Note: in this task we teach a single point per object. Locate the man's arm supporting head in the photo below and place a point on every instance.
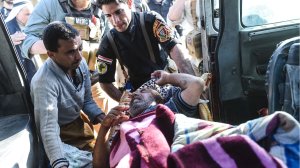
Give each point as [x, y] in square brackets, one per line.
[101, 150]
[192, 86]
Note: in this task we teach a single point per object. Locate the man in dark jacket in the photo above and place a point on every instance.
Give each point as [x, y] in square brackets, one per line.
[139, 39]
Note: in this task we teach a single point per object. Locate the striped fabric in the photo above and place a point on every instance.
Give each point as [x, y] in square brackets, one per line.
[228, 152]
[271, 141]
[278, 134]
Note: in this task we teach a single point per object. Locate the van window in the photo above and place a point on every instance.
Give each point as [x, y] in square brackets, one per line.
[215, 14]
[260, 12]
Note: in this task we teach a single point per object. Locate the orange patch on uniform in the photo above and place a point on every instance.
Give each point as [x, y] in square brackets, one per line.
[161, 31]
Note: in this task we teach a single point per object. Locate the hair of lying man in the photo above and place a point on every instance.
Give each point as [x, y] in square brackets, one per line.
[157, 97]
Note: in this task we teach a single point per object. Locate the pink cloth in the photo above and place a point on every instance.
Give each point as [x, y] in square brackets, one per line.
[232, 151]
[145, 140]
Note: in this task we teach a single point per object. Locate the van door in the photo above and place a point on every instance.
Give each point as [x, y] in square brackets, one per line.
[248, 33]
[19, 145]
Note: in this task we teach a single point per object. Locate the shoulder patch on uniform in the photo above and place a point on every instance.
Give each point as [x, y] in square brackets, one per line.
[104, 59]
[101, 67]
[161, 31]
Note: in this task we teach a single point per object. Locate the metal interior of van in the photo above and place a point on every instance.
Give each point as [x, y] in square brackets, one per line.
[18, 138]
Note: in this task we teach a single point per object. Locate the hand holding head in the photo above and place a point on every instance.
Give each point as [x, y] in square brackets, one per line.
[206, 77]
[115, 116]
[125, 98]
[160, 76]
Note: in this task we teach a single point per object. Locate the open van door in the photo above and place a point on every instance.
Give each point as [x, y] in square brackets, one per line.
[247, 33]
[18, 138]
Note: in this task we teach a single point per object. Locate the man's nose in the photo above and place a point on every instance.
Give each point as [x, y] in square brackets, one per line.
[133, 94]
[115, 18]
[78, 55]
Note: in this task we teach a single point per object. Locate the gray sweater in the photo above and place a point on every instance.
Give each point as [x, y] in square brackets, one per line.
[57, 101]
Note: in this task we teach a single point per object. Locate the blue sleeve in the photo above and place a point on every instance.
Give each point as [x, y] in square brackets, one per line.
[44, 13]
[90, 108]
[178, 105]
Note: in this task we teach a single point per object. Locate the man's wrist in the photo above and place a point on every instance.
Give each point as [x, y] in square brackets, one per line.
[100, 117]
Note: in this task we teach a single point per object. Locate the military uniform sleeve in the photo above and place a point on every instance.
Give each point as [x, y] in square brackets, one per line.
[106, 62]
[163, 33]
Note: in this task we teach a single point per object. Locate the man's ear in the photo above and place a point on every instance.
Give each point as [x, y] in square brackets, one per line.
[51, 54]
[129, 4]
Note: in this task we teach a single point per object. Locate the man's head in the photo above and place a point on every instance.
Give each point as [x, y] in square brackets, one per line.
[23, 15]
[142, 99]
[10, 2]
[80, 4]
[21, 11]
[117, 12]
[63, 44]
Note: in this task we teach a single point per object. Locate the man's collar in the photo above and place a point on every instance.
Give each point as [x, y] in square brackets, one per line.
[131, 29]
[150, 108]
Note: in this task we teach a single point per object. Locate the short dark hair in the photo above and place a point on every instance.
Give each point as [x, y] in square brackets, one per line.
[157, 97]
[105, 2]
[55, 31]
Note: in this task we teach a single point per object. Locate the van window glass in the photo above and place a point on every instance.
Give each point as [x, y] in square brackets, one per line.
[215, 14]
[260, 12]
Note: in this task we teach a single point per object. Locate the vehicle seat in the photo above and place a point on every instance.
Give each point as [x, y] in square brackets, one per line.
[282, 78]
[292, 82]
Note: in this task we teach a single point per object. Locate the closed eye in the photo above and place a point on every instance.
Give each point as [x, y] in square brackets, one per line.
[108, 15]
[80, 48]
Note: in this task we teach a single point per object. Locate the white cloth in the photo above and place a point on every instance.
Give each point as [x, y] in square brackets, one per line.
[187, 15]
[17, 7]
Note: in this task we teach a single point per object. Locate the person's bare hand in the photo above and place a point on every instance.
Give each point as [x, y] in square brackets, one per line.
[18, 37]
[160, 76]
[206, 77]
[125, 98]
[115, 116]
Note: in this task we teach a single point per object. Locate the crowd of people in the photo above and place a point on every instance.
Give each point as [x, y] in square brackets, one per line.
[140, 38]
[61, 86]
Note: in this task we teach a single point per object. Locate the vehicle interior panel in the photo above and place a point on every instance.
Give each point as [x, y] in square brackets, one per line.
[16, 111]
[17, 133]
[241, 60]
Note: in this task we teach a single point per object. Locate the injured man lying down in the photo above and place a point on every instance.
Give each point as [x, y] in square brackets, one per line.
[156, 128]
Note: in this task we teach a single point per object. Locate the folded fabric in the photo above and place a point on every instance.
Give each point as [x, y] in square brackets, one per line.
[144, 141]
[277, 133]
[226, 152]
[189, 130]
